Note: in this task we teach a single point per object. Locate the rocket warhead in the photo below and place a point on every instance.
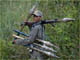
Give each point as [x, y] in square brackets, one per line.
[67, 19]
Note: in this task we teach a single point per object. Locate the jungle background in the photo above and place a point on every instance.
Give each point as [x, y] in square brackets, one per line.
[64, 35]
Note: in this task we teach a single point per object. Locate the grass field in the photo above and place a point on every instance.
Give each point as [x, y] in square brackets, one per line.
[64, 35]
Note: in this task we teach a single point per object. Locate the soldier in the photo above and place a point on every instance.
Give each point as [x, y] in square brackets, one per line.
[36, 32]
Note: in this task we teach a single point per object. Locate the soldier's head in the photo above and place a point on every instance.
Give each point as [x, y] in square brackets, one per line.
[37, 15]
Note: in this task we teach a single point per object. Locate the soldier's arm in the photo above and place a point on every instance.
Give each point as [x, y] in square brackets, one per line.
[31, 39]
[28, 23]
[33, 34]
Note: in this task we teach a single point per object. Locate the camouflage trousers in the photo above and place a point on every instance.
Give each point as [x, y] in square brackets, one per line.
[36, 56]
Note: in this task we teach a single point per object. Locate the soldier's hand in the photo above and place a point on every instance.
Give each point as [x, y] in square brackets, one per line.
[22, 24]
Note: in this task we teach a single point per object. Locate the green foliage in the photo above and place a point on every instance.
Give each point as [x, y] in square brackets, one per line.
[64, 35]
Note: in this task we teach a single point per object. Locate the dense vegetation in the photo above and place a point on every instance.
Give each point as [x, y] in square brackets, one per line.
[64, 35]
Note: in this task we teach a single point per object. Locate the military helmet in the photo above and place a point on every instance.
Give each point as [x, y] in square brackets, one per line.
[37, 13]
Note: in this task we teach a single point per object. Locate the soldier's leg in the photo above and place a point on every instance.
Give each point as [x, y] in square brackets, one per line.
[37, 56]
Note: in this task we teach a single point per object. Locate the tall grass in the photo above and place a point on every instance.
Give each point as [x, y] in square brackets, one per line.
[65, 35]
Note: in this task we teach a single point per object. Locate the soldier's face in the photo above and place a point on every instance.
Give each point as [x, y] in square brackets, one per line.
[36, 18]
